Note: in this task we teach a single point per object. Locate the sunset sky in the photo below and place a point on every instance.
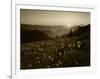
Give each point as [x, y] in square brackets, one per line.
[44, 17]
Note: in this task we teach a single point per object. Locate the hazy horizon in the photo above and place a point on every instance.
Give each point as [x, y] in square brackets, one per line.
[45, 17]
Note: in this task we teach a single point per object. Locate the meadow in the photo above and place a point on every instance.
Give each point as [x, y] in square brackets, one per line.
[62, 52]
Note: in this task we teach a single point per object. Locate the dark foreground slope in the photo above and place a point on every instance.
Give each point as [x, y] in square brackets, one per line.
[32, 36]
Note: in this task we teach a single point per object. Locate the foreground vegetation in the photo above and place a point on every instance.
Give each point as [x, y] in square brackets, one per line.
[68, 52]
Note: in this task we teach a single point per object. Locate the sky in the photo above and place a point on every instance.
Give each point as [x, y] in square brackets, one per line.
[45, 17]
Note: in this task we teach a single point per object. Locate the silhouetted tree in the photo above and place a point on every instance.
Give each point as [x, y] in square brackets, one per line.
[70, 33]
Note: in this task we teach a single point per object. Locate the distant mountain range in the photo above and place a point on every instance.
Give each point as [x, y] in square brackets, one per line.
[33, 33]
[51, 31]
